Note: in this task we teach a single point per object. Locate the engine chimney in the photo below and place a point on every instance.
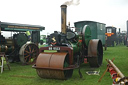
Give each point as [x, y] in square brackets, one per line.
[127, 33]
[127, 28]
[119, 30]
[63, 18]
[0, 27]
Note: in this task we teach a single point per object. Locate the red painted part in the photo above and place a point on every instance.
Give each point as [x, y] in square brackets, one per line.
[62, 48]
[113, 74]
[109, 34]
[85, 60]
[53, 43]
[80, 41]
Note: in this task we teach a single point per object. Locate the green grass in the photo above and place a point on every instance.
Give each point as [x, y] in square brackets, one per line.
[26, 75]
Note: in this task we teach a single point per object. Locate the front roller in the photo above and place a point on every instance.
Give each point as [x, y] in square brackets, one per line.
[95, 53]
[53, 65]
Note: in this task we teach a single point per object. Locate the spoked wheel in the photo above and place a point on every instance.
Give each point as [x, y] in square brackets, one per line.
[95, 53]
[51, 65]
[28, 53]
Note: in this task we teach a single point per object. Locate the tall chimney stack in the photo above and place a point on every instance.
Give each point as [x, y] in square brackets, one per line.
[127, 28]
[127, 33]
[63, 18]
[0, 27]
[119, 30]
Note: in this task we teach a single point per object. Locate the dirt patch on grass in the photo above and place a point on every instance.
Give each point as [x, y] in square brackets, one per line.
[21, 76]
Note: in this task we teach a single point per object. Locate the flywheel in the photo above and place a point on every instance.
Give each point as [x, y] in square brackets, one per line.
[86, 33]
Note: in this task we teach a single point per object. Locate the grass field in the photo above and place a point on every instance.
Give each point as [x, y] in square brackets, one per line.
[26, 75]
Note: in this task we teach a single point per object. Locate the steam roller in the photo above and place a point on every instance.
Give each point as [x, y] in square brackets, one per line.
[67, 50]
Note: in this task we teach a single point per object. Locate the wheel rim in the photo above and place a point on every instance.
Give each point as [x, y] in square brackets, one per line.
[29, 53]
[95, 53]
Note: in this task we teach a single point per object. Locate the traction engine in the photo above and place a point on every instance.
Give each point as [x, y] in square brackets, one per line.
[66, 50]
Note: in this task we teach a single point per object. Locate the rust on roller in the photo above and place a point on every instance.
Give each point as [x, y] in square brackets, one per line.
[57, 60]
[57, 74]
[92, 48]
[43, 60]
[51, 60]
[43, 73]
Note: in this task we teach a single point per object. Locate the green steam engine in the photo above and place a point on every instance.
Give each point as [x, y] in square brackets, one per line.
[72, 47]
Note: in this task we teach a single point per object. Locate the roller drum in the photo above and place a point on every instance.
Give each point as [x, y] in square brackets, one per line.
[51, 65]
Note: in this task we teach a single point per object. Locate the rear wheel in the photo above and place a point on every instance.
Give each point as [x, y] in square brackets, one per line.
[28, 53]
[95, 53]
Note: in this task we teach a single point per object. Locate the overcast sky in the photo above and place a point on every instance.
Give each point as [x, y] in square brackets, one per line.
[47, 13]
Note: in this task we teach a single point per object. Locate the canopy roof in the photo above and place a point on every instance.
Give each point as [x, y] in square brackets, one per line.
[5, 26]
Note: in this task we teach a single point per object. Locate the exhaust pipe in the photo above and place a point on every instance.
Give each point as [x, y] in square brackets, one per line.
[127, 33]
[63, 18]
[0, 27]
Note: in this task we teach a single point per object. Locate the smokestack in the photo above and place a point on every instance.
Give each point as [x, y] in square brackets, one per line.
[0, 27]
[63, 18]
[127, 33]
[127, 28]
[119, 30]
